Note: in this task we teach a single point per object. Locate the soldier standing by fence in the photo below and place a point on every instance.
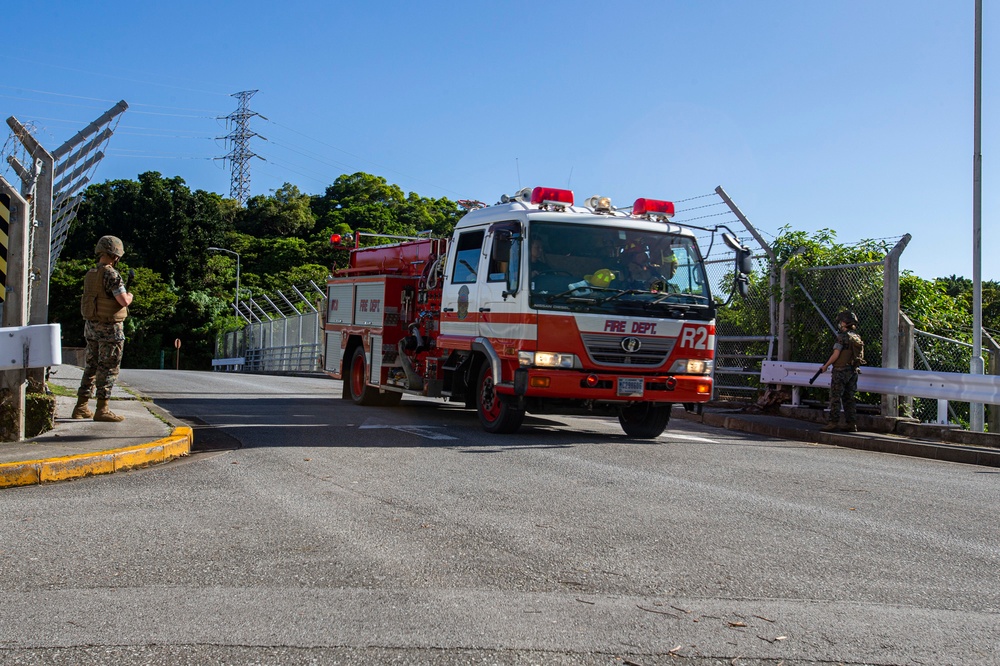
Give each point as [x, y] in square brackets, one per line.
[104, 306]
[847, 357]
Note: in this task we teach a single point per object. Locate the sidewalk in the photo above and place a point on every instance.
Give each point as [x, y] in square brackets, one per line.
[897, 436]
[77, 448]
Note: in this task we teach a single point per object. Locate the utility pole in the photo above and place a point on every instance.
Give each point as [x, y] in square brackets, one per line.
[238, 122]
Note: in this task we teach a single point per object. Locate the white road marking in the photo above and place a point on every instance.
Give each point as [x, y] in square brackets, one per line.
[693, 438]
[418, 430]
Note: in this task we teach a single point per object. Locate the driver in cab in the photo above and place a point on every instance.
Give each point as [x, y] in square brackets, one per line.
[539, 264]
[639, 270]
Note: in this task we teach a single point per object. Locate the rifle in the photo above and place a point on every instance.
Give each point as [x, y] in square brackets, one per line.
[816, 376]
[128, 280]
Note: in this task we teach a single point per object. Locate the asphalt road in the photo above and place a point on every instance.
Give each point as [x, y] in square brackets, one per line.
[308, 530]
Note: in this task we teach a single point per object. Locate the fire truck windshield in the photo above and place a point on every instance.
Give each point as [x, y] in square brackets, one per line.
[607, 269]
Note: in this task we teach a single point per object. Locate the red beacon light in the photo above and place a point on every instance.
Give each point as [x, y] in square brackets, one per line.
[652, 208]
[339, 241]
[550, 196]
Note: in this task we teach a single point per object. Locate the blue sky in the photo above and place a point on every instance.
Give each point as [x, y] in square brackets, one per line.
[851, 115]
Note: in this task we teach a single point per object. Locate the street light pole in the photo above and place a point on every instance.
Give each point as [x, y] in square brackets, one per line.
[977, 411]
[222, 249]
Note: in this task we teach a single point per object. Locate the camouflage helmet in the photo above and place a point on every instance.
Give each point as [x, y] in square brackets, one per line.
[848, 318]
[110, 245]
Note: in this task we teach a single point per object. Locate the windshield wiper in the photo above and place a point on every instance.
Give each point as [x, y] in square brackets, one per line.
[622, 292]
[550, 299]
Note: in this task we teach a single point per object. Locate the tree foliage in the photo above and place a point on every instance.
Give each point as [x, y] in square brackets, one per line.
[185, 291]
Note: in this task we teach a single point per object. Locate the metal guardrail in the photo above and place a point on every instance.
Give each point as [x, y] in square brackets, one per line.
[942, 386]
[288, 358]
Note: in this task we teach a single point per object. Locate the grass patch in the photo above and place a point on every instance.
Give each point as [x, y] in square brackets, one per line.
[61, 390]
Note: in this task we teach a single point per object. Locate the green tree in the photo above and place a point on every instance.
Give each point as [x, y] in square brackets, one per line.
[185, 291]
[286, 212]
[165, 227]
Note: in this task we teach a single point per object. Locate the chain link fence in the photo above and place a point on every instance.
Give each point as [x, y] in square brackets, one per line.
[745, 327]
[744, 331]
[941, 354]
[820, 294]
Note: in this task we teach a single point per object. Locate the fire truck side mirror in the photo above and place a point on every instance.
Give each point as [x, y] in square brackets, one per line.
[744, 255]
[744, 261]
[743, 285]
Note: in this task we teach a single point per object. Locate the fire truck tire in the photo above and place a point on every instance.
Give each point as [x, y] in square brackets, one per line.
[361, 393]
[495, 415]
[645, 420]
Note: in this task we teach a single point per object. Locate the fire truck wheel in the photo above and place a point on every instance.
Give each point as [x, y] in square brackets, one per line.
[645, 420]
[495, 415]
[361, 393]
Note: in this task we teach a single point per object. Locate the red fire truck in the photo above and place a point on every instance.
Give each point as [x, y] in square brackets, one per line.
[533, 305]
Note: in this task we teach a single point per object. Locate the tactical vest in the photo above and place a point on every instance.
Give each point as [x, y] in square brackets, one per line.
[853, 352]
[95, 304]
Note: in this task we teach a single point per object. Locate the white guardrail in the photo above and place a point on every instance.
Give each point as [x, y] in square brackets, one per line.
[36, 346]
[940, 386]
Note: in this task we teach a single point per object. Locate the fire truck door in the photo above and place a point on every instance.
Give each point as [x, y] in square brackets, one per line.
[498, 293]
[460, 294]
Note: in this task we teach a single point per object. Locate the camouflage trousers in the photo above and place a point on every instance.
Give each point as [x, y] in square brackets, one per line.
[103, 361]
[843, 385]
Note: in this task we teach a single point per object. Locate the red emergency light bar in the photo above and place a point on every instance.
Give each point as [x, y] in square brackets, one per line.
[550, 196]
[341, 241]
[653, 207]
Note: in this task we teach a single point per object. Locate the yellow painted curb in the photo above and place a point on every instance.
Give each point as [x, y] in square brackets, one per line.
[30, 472]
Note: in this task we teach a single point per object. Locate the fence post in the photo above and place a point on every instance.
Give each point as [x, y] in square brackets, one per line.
[993, 368]
[906, 333]
[14, 208]
[784, 316]
[890, 319]
[785, 309]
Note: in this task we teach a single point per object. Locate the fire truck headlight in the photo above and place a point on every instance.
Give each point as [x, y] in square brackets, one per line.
[691, 366]
[547, 360]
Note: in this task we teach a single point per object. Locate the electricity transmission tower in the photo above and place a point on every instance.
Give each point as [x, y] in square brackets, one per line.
[238, 139]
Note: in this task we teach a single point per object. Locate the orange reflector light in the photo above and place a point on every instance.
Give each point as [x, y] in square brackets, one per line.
[538, 382]
[654, 206]
[551, 196]
[703, 388]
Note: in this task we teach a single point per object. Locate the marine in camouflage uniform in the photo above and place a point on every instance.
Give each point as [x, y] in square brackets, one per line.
[847, 357]
[104, 309]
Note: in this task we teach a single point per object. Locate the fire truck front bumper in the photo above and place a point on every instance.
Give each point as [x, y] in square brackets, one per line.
[609, 387]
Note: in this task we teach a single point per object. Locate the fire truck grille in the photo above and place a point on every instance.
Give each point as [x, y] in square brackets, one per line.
[607, 350]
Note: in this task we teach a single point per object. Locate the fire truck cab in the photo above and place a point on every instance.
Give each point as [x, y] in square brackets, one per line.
[533, 305]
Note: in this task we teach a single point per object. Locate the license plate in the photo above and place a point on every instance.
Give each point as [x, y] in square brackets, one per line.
[630, 386]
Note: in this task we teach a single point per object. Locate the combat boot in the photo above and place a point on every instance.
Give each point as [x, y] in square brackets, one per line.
[105, 414]
[81, 411]
[830, 427]
[850, 427]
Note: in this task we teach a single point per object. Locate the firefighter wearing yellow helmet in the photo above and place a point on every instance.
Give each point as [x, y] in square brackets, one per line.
[104, 306]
